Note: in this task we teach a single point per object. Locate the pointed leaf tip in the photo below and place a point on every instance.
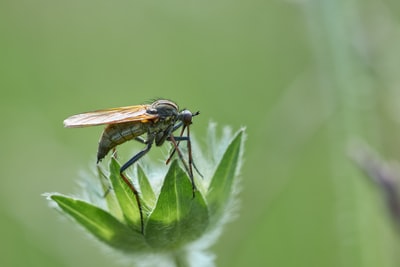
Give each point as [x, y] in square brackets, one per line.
[100, 223]
[221, 185]
[125, 196]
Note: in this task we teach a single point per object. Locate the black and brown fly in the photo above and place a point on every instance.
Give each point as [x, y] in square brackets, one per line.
[158, 121]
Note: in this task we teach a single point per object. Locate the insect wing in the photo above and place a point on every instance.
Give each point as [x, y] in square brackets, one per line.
[110, 116]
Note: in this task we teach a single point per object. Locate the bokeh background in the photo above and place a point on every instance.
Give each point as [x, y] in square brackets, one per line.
[307, 78]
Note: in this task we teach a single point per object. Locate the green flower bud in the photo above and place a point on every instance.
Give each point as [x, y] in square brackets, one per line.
[178, 227]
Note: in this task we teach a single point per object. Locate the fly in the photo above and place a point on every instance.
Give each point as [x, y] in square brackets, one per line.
[158, 121]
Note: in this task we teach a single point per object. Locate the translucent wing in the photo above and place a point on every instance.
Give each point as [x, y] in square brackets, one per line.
[110, 116]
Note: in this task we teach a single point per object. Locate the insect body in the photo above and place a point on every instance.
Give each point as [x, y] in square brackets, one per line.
[158, 121]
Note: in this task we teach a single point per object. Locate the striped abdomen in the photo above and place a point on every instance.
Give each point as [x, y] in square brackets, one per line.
[116, 134]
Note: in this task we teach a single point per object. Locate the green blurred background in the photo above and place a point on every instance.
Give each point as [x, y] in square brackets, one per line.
[305, 77]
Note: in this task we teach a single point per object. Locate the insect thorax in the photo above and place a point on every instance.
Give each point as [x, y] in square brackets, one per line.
[167, 112]
[157, 130]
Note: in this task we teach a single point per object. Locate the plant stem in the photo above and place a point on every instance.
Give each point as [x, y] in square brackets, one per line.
[180, 259]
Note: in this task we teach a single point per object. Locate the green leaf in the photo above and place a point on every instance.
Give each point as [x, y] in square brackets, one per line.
[105, 183]
[178, 218]
[101, 224]
[221, 184]
[147, 193]
[111, 200]
[126, 198]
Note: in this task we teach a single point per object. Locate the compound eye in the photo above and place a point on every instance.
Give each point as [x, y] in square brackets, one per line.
[186, 116]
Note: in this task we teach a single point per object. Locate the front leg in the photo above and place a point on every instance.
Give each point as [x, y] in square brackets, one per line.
[183, 138]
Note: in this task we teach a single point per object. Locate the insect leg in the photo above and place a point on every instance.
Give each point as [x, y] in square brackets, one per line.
[114, 153]
[136, 193]
[191, 161]
[188, 169]
[136, 157]
[176, 138]
[141, 140]
[130, 185]
[176, 127]
[189, 147]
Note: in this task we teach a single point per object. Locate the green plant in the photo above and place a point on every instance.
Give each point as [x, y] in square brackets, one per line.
[178, 228]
